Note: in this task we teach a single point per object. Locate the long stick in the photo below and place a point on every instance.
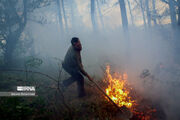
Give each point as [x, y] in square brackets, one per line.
[100, 89]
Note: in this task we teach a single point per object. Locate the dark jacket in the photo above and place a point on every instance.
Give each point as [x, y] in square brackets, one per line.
[72, 61]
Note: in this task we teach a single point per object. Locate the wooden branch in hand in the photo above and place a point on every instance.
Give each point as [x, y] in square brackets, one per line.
[100, 89]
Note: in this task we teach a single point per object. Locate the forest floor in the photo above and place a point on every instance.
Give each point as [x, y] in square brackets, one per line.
[94, 106]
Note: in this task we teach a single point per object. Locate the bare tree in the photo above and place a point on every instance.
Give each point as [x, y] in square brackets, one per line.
[64, 14]
[100, 14]
[143, 14]
[93, 19]
[73, 14]
[154, 12]
[148, 12]
[130, 10]
[172, 13]
[71, 3]
[123, 15]
[178, 12]
[60, 16]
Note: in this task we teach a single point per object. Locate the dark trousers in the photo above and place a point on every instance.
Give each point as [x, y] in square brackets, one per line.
[75, 76]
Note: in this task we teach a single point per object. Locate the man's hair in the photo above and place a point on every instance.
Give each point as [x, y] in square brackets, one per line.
[74, 40]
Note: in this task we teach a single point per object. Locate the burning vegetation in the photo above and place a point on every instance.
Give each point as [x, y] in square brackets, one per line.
[117, 89]
[123, 95]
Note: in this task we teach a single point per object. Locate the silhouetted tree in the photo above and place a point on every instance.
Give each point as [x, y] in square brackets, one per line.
[178, 12]
[93, 19]
[154, 12]
[60, 16]
[123, 15]
[148, 13]
[13, 19]
[172, 13]
[143, 14]
[130, 10]
[172, 10]
[64, 14]
[100, 14]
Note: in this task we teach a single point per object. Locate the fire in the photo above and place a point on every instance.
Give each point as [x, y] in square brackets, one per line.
[120, 92]
[117, 88]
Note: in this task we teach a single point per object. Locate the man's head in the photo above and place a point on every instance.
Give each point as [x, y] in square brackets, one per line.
[76, 43]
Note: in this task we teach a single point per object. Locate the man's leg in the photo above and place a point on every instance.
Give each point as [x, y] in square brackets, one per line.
[68, 81]
[75, 76]
[80, 84]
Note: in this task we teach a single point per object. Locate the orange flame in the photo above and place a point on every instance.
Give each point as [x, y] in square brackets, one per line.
[117, 89]
[120, 92]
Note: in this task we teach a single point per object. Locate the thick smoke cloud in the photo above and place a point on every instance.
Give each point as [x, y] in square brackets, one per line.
[142, 49]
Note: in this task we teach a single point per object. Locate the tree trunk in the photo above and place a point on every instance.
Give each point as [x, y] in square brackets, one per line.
[142, 10]
[9, 48]
[100, 14]
[154, 12]
[178, 12]
[94, 25]
[12, 40]
[64, 14]
[123, 15]
[148, 13]
[13, 37]
[132, 17]
[60, 16]
[72, 14]
[172, 13]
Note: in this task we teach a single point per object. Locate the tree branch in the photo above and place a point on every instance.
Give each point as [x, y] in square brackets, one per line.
[17, 70]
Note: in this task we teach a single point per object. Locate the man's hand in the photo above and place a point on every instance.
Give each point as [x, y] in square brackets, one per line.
[89, 78]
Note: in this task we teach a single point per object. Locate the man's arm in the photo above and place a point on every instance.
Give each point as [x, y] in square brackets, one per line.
[81, 68]
[84, 72]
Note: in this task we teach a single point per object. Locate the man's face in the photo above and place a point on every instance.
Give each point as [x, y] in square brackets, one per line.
[78, 46]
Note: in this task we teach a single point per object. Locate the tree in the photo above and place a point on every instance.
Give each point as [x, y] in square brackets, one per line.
[100, 14]
[13, 22]
[154, 12]
[74, 19]
[64, 14]
[132, 17]
[60, 16]
[172, 13]
[123, 15]
[143, 14]
[141, 5]
[178, 12]
[93, 19]
[172, 9]
[148, 13]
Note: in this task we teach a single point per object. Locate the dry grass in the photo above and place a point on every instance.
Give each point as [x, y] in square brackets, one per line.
[94, 106]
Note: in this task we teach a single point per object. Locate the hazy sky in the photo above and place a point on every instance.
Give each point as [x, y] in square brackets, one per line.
[111, 13]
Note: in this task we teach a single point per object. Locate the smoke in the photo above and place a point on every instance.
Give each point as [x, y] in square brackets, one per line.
[146, 50]
[132, 53]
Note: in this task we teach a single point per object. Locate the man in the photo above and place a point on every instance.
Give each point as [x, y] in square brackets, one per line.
[73, 65]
